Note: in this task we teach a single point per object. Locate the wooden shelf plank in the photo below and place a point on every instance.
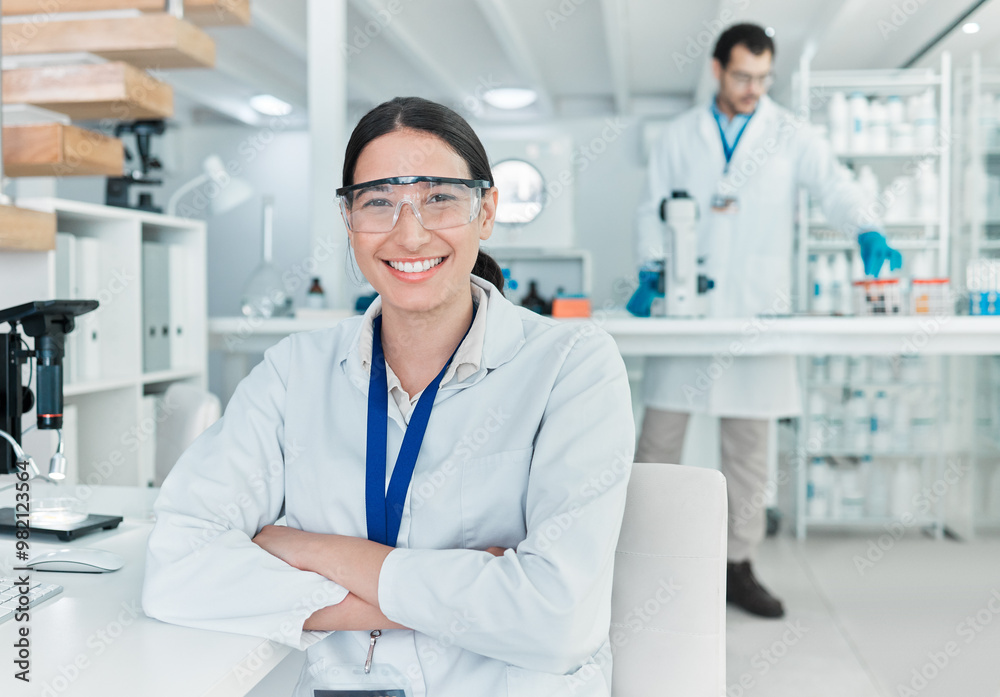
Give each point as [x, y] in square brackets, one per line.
[57, 150]
[150, 41]
[91, 92]
[26, 230]
[204, 13]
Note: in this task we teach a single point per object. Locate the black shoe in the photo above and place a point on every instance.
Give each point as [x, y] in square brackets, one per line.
[745, 591]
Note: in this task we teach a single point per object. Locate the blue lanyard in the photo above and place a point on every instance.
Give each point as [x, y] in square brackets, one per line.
[728, 149]
[384, 508]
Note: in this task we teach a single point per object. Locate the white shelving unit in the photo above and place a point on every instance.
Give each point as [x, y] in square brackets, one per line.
[114, 423]
[909, 235]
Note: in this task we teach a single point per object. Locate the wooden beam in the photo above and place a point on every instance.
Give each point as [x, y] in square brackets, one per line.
[91, 92]
[57, 150]
[152, 41]
[25, 230]
[204, 13]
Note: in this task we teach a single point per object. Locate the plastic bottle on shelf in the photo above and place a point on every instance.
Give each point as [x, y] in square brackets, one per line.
[839, 122]
[840, 284]
[821, 300]
[925, 121]
[901, 424]
[882, 422]
[858, 366]
[835, 424]
[837, 368]
[881, 369]
[923, 422]
[818, 369]
[869, 182]
[836, 492]
[900, 200]
[905, 487]
[878, 126]
[818, 489]
[852, 492]
[927, 193]
[816, 435]
[315, 297]
[877, 484]
[895, 110]
[857, 106]
[859, 416]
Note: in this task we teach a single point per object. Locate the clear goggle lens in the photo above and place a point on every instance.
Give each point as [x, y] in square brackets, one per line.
[437, 203]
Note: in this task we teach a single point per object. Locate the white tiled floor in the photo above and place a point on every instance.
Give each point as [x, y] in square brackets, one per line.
[883, 630]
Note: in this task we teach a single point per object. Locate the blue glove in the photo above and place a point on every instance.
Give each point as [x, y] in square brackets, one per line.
[875, 250]
[642, 299]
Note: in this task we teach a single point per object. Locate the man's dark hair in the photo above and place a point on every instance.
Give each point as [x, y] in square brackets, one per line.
[752, 36]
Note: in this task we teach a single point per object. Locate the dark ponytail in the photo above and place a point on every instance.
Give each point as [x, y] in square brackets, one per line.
[488, 269]
[430, 117]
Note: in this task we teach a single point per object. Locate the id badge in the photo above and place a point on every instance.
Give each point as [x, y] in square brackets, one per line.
[725, 204]
[323, 679]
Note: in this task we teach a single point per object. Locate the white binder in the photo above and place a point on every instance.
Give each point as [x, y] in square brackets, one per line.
[155, 307]
[88, 326]
[180, 337]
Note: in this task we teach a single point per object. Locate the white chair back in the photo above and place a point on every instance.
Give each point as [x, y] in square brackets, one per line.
[668, 610]
[187, 412]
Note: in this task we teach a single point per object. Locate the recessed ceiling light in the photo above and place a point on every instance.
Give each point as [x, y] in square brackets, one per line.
[510, 97]
[270, 105]
[970, 27]
[769, 31]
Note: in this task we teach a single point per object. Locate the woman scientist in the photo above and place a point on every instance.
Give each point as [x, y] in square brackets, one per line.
[452, 467]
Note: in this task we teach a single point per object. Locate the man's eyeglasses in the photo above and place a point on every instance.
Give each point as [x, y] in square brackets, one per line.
[745, 79]
[437, 202]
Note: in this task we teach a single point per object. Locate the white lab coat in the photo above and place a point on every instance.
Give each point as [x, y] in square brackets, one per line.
[531, 452]
[749, 253]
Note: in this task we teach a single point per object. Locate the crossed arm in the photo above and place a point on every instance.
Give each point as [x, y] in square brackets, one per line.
[351, 562]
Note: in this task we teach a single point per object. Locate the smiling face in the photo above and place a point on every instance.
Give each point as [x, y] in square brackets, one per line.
[414, 269]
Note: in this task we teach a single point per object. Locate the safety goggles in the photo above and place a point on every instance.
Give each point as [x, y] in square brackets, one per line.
[743, 80]
[437, 202]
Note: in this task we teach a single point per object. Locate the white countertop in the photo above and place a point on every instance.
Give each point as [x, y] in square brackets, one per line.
[93, 640]
[798, 335]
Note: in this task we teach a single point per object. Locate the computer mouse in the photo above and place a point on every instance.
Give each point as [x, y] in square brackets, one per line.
[86, 560]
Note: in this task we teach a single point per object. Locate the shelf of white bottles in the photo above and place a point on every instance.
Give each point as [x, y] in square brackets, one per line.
[908, 232]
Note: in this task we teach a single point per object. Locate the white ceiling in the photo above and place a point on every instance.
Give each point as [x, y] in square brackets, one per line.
[583, 56]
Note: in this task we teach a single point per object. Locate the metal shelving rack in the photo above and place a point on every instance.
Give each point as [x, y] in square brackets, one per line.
[935, 234]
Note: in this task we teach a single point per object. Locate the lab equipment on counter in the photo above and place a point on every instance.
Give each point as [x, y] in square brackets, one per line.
[570, 306]
[315, 297]
[264, 295]
[48, 322]
[878, 297]
[533, 301]
[982, 279]
[685, 282]
[931, 296]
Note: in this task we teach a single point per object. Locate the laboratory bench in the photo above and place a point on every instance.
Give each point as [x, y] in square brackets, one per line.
[93, 640]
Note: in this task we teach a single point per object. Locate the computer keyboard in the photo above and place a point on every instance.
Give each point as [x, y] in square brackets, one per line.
[10, 594]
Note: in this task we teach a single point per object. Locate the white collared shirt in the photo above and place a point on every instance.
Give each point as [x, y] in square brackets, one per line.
[466, 362]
